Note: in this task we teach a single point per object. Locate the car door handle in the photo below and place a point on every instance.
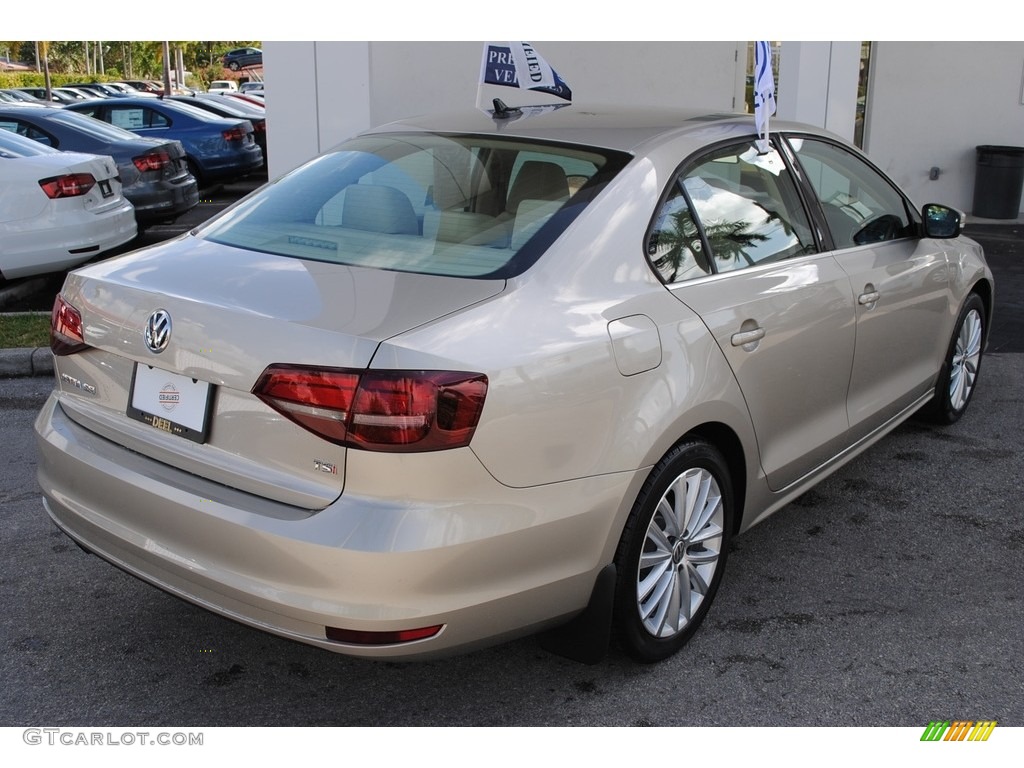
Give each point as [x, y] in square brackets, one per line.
[747, 337]
[870, 297]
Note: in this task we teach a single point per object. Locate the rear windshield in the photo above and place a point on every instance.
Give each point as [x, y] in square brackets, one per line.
[463, 206]
[13, 145]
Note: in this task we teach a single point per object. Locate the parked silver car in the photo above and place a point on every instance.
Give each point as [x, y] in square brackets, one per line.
[469, 377]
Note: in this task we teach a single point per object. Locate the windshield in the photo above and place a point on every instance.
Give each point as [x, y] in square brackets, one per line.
[465, 206]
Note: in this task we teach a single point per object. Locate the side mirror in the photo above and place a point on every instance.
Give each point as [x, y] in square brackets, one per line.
[941, 221]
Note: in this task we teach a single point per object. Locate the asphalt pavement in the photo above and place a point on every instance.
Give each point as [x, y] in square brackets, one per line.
[1004, 249]
[888, 595]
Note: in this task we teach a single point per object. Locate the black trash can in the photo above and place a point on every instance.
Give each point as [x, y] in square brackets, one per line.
[998, 182]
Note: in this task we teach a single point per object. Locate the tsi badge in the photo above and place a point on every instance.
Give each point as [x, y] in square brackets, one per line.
[158, 331]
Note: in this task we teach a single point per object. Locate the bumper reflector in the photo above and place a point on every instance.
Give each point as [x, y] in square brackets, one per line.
[357, 637]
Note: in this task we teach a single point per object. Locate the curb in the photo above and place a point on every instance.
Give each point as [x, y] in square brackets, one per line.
[16, 363]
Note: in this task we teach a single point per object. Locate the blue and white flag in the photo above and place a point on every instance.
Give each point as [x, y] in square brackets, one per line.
[518, 65]
[764, 92]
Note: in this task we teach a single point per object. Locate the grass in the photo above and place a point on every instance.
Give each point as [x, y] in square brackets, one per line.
[25, 330]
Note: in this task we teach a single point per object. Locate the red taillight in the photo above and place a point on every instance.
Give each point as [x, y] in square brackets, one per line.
[259, 127]
[66, 336]
[152, 161]
[399, 411]
[234, 134]
[318, 400]
[71, 185]
[358, 637]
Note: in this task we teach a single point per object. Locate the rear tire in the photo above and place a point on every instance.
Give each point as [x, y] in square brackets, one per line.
[960, 371]
[194, 170]
[672, 554]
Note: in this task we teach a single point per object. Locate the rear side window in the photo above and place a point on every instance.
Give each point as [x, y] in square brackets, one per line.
[729, 210]
[134, 118]
[462, 206]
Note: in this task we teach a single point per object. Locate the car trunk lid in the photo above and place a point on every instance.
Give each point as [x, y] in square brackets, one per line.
[232, 314]
[105, 194]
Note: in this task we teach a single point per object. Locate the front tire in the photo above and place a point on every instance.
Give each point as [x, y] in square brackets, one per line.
[672, 553]
[959, 376]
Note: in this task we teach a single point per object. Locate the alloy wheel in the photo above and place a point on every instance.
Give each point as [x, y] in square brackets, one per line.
[681, 551]
[965, 361]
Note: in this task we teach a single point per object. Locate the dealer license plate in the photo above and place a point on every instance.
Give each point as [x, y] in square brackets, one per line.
[171, 402]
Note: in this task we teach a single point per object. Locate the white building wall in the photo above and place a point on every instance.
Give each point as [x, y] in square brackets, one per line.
[321, 93]
[931, 104]
[315, 93]
[818, 84]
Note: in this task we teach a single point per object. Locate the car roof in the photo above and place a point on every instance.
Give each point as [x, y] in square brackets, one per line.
[228, 106]
[136, 101]
[42, 109]
[614, 127]
[241, 105]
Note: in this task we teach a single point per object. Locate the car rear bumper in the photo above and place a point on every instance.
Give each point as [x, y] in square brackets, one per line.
[234, 166]
[495, 563]
[67, 240]
[163, 200]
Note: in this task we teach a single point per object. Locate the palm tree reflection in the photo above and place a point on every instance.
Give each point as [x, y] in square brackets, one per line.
[679, 247]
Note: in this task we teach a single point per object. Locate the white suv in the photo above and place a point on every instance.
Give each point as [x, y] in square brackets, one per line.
[223, 86]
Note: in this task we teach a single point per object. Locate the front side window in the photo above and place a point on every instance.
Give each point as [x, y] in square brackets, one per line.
[729, 210]
[859, 204]
[462, 206]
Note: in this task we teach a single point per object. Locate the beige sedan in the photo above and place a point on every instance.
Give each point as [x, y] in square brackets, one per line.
[470, 377]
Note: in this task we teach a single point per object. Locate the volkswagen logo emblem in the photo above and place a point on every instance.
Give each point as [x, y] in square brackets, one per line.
[158, 331]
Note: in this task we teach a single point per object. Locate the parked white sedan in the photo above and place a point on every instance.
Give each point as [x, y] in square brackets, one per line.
[57, 209]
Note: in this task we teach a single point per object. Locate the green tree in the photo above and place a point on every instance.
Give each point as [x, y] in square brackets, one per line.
[138, 59]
